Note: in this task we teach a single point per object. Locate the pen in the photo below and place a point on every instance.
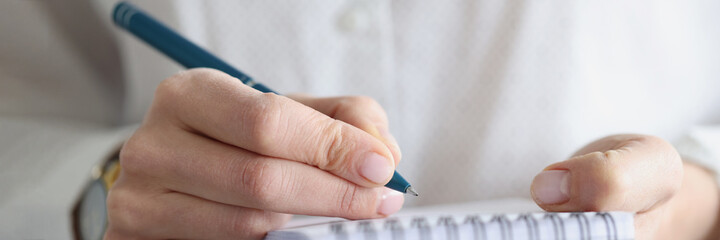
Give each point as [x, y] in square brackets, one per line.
[190, 55]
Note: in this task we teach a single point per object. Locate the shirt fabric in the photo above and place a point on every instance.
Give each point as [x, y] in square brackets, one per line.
[481, 95]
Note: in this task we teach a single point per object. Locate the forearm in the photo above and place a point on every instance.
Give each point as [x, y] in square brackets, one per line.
[696, 207]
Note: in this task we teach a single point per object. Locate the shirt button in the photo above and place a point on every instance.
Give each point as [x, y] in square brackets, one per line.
[354, 20]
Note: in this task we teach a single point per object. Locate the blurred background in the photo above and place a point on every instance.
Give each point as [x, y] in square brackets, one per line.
[475, 84]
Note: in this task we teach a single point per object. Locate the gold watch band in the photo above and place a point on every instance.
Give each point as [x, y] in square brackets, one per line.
[89, 215]
[111, 173]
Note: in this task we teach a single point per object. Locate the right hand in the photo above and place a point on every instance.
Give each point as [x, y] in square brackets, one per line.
[216, 159]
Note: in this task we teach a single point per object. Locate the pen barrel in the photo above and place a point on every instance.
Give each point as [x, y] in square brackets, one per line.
[172, 44]
[398, 183]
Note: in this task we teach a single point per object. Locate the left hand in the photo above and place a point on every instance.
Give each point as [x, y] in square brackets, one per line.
[633, 173]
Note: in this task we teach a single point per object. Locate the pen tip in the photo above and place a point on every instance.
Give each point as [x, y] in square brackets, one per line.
[412, 191]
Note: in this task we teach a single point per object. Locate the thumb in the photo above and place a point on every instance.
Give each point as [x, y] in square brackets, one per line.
[631, 173]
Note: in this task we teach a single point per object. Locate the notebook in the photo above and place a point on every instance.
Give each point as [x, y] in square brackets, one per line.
[457, 224]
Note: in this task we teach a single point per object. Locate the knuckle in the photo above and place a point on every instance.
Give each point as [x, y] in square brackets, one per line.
[347, 201]
[263, 117]
[173, 86]
[668, 163]
[612, 185]
[279, 220]
[260, 180]
[123, 214]
[671, 155]
[353, 201]
[363, 102]
[131, 155]
[254, 224]
[337, 148]
[142, 154]
[187, 82]
[243, 223]
[614, 190]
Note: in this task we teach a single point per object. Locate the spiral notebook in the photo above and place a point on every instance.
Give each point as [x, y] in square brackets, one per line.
[459, 224]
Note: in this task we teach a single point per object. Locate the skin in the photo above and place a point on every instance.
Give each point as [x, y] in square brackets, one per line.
[642, 174]
[215, 159]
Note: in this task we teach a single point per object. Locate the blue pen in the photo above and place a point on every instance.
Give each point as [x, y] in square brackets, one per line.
[190, 55]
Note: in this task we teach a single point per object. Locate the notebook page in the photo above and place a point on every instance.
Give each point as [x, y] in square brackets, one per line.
[512, 226]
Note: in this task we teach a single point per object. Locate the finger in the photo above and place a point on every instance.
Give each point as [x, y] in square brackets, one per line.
[362, 112]
[148, 214]
[219, 106]
[623, 172]
[202, 167]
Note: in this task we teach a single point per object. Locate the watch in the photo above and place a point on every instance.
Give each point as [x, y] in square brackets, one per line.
[89, 214]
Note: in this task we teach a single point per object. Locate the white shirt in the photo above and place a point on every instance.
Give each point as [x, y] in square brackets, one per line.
[481, 95]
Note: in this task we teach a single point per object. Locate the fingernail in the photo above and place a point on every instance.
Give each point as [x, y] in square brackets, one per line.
[390, 201]
[376, 168]
[551, 187]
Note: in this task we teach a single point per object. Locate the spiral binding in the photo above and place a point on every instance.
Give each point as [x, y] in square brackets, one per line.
[479, 227]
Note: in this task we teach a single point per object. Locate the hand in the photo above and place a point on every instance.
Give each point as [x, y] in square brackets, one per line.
[633, 173]
[217, 159]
